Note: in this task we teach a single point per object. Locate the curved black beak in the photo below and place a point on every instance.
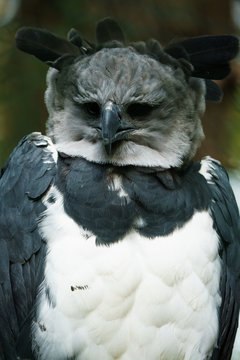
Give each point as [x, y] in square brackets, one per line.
[112, 126]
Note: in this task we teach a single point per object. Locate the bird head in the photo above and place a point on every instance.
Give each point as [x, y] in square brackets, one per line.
[123, 104]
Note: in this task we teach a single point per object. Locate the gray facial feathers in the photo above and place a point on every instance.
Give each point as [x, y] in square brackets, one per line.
[169, 132]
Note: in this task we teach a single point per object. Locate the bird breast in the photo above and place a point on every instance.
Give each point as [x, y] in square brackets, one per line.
[138, 298]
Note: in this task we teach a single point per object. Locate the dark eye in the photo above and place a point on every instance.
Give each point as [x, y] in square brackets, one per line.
[92, 108]
[138, 109]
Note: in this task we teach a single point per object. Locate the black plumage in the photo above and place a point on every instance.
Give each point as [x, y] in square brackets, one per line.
[44, 45]
[107, 30]
[226, 222]
[24, 180]
[209, 55]
[164, 204]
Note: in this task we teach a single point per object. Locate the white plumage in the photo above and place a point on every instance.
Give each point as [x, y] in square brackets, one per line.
[120, 302]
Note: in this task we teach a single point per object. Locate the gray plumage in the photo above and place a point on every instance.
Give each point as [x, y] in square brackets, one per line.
[171, 132]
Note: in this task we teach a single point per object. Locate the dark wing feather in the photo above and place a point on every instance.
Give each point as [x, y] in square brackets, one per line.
[225, 215]
[24, 180]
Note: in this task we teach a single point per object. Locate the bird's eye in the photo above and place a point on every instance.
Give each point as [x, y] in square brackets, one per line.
[92, 108]
[139, 109]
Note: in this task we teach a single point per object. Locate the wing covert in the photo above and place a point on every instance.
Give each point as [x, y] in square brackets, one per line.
[24, 179]
[225, 214]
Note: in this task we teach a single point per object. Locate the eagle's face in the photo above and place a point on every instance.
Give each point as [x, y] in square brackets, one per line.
[118, 106]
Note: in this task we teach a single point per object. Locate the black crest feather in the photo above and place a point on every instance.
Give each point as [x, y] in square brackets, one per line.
[218, 49]
[84, 45]
[205, 57]
[75, 38]
[44, 45]
[213, 91]
[210, 57]
[107, 30]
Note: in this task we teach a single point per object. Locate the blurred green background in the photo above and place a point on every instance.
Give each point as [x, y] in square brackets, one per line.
[22, 77]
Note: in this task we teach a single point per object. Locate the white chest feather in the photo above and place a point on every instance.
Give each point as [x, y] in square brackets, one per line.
[136, 299]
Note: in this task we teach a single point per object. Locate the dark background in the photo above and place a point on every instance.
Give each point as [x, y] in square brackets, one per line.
[22, 77]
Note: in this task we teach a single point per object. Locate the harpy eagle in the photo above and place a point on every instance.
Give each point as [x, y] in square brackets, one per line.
[114, 243]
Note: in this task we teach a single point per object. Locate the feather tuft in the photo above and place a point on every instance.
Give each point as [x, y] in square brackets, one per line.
[44, 45]
[107, 30]
[210, 55]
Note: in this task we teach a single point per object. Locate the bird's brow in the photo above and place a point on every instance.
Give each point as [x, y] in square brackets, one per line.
[157, 97]
[84, 97]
